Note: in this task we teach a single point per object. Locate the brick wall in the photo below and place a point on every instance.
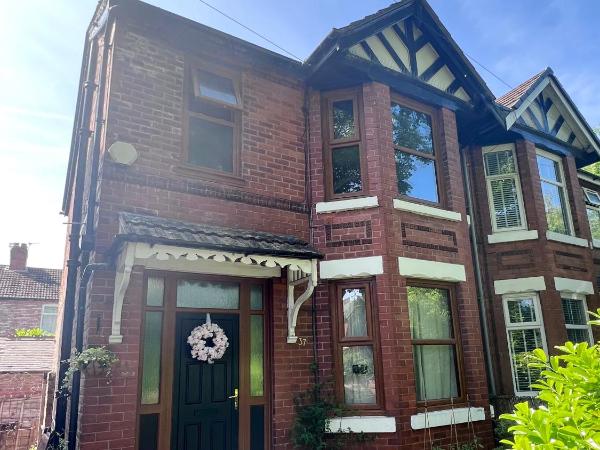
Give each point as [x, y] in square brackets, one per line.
[20, 314]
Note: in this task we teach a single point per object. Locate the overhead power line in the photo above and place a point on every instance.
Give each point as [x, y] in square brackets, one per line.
[251, 30]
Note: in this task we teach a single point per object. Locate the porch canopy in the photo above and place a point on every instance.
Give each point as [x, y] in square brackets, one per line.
[167, 244]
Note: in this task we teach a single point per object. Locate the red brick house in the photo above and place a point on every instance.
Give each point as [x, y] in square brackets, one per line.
[28, 300]
[332, 217]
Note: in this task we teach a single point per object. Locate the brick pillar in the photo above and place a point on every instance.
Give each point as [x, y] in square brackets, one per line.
[18, 256]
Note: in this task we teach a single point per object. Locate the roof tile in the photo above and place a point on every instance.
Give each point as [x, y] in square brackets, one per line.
[32, 283]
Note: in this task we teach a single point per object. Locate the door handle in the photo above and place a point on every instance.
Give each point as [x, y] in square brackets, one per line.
[235, 397]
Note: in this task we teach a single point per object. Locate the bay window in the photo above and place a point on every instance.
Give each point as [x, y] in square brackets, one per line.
[357, 359]
[504, 188]
[413, 131]
[525, 333]
[435, 342]
[554, 192]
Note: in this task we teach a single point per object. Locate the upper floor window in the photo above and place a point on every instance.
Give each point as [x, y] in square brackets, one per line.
[504, 188]
[355, 342]
[592, 200]
[434, 333]
[554, 192]
[345, 176]
[413, 130]
[48, 321]
[213, 121]
[525, 333]
[576, 320]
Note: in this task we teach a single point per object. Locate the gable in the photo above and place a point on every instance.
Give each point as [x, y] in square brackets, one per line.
[407, 49]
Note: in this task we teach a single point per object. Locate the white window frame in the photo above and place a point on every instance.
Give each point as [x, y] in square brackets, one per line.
[515, 176]
[588, 193]
[538, 324]
[595, 241]
[44, 313]
[580, 297]
[562, 185]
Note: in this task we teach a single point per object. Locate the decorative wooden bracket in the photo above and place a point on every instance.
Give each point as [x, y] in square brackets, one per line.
[296, 278]
[122, 276]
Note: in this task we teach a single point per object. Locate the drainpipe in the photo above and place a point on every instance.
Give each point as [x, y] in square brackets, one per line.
[89, 238]
[308, 197]
[483, 317]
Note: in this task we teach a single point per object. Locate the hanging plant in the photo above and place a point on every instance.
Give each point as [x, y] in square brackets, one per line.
[98, 359]
[208, 342]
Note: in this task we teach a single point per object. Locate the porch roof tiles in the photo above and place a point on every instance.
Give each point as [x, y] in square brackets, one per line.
[27, 355]
[159, 230]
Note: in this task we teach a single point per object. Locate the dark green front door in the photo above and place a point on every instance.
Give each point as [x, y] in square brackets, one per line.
[204, 417]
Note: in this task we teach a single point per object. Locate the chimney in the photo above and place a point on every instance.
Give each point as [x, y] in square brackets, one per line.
[18, 256]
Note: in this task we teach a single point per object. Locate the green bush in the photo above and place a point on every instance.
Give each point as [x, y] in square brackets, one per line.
[569, 387]
[32, 332]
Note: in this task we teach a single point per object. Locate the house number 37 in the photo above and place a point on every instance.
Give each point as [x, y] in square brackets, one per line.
[302, 341]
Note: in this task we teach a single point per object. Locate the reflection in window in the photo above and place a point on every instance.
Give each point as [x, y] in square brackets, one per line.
[346, 170]
[359, 375]
[204, 294]
[343, 119]
[210, 144]
[412, 134]
[256, 356]
[256, 297]
[155, 291]
[576, 320]
[554, 194]
[151, 358]
[594, 221]
[215, 87]
[355, 312]
[49, 316]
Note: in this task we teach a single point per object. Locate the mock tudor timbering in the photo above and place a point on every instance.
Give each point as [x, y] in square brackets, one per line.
[372, 218]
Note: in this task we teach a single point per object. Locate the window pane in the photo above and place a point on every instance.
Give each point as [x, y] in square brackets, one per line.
[430, 313]
[256, 297]
[257, 427]
[435, 372]
[155, 291]
[578, 335]
[210, 145]
[522, 343]
[343, 119]
[216, 87]
[148, 438]
[346, 169]
[256, 356]
[594, 220]
[48, 322]
[548, 169]
[411, 129]
[574, 312]
[505, 203]
[592, 197]
[355, 312]
[521, 311]
[204, 294]
[554, 203]
[416, 177]
[151, 358]
[359, 375]
[499, 163]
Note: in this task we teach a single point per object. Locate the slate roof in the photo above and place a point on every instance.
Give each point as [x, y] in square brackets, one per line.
[158, 230]
[32, 283]
[511, 98]
[27, 355]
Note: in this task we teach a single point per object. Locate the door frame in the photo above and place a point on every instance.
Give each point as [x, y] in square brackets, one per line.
[170, 310]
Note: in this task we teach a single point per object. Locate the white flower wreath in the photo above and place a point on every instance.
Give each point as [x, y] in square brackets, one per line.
[208, 341]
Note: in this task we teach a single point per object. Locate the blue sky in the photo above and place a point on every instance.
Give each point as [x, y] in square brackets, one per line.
[41, 44]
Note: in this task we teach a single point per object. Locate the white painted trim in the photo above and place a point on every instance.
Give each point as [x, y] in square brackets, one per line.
[347, 205]
[512, 236]
[363, 424]
[516, 285]
[596, 243]
[431, 270]
[351, 267]
[512, 117]
[588, 178]
[566, 239]
[573, 286]
[429, 211]
[446, 417]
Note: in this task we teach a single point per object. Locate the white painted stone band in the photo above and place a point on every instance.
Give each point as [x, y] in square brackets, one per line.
[431, 270]
[429, 211]
[446, 417]
[346, 205]
[573, 286]
[351, 267]
[363, 424]
[512, 236]
[516, 285]
[566, 239]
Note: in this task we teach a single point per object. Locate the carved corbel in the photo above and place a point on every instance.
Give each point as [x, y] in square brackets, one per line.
[296, 278]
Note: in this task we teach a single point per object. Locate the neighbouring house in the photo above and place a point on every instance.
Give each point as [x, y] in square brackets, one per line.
[373, 219]
[28, 304]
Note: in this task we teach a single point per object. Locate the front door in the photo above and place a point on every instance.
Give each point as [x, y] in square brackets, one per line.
[205, 417]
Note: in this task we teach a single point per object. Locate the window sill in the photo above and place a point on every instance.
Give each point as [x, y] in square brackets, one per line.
[424, 210]
[363, 424]
[512, 236]
[347, 205]
[211, 175]
[596, 243]
[566, 239]
[446, 417]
